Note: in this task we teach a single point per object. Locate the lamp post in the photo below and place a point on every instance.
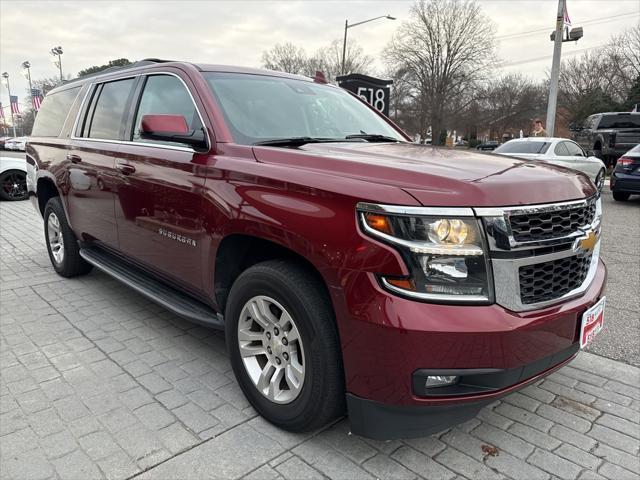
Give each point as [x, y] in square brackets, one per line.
[26, 69]
[5, 77]
[347, 26]
[57, 60]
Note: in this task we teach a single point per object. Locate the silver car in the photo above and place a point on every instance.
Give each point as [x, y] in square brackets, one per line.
[558, 151]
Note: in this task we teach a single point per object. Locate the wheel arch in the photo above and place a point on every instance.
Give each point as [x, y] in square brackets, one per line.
[238, 251]
[45, 190]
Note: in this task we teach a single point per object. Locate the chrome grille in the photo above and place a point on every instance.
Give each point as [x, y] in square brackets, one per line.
[537, 252]
[546, 281]
[551, 224]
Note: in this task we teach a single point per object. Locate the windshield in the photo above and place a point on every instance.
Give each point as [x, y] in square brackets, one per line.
[625, 120]
[523, 147]
[259, 108]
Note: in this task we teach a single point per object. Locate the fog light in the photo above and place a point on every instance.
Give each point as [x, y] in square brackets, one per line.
[440, 380]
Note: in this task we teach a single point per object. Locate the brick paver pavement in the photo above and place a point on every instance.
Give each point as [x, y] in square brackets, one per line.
[96, 381]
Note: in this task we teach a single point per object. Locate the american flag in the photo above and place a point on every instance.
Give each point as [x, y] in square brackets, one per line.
[36, 97]
[14, 104]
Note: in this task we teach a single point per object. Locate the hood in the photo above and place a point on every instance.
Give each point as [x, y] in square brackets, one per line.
[438, 176]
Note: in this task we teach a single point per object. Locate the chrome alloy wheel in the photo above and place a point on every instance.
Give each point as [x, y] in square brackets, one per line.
[56, 241]
[271, 349]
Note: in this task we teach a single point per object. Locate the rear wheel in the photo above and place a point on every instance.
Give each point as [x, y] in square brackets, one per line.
[62, 245]
[621, 196]
[13, 185]
[284, 348]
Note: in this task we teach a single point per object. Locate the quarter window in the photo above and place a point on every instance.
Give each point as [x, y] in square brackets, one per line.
[109, 111]
[53, 113]
[574, 150]
[165, 95]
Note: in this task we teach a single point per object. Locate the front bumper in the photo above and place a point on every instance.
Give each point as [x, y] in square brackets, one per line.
[388, 340]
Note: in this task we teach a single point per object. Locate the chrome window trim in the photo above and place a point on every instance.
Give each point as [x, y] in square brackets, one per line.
[420, 211]
[143, 144]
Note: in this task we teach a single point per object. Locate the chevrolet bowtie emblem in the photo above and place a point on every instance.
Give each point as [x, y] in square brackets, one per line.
[589, 242]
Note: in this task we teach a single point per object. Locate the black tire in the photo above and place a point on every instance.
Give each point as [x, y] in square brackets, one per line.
[71, 264]
[621, 196]
[322, 395]
[13, 185]
[599, 181]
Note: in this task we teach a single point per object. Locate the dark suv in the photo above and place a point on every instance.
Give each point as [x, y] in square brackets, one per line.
[351, 269]
[609, 135]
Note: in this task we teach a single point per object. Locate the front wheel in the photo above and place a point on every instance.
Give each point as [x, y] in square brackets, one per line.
[599, 181]
[284, 348]
[621, 196]
[62, 245]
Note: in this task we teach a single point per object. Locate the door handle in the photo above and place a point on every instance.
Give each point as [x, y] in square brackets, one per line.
[125, 168]
[73, 158]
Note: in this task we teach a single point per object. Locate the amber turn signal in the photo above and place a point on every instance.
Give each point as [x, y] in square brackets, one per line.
[403, 283]
[378, 222]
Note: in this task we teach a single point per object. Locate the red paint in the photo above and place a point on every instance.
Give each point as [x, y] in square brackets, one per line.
[164, 123]
[304, 199]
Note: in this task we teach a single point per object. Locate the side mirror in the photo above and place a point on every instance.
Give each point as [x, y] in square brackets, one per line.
[171, 128]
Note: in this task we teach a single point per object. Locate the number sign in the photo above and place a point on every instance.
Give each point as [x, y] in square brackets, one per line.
[375, 91]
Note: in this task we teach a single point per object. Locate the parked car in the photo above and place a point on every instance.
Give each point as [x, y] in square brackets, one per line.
[558, 151]
[17, 143]
[2, 142]
[351, 270]
[488, 145]
[625, 178]
[609, 134]
[13, 182]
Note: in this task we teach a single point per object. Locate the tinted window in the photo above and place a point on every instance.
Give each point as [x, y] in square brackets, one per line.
[109, 110]
[621, 120]
[573, 149]
[53, 112]
[561, 150]
[519, 146]
[261, 107]
[164, 95]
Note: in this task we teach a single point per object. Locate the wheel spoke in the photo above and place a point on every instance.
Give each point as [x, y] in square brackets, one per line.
[274, 384]
[295, 376]
[265, 377]
[249, 350]
[246, 335]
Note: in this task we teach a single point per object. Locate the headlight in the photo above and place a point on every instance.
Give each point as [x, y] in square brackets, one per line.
[445, 253]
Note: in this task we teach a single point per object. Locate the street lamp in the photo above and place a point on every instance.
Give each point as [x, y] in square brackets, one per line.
[26, 70]
[5, 80]
[347, 26]
[57, 60]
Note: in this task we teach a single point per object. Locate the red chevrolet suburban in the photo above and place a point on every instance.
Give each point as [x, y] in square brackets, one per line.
[351, 270]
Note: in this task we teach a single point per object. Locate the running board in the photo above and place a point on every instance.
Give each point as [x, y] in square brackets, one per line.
[170, 298]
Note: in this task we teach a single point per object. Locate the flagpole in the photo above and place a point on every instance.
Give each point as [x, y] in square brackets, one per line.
[5, 75]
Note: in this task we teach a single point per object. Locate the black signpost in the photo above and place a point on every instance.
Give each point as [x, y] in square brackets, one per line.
[375, 91]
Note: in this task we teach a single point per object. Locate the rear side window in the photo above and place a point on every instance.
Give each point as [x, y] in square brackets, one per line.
[573, 149]
[53, 113]
[523, 147]
[165, 95]
[624, 120]
[561, 150]
[109, 110]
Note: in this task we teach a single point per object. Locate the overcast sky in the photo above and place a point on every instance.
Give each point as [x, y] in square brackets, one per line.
[236, 32]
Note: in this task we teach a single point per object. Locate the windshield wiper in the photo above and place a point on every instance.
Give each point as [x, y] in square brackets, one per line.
[296, 141]
[372, 137]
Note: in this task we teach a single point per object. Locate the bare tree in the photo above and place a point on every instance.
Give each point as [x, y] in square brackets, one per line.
[446, 48]
[510, 103]
[622, 55]
[286, 57]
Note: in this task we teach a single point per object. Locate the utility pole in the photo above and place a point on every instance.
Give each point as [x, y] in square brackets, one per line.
[5, 75]
[555, 70]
